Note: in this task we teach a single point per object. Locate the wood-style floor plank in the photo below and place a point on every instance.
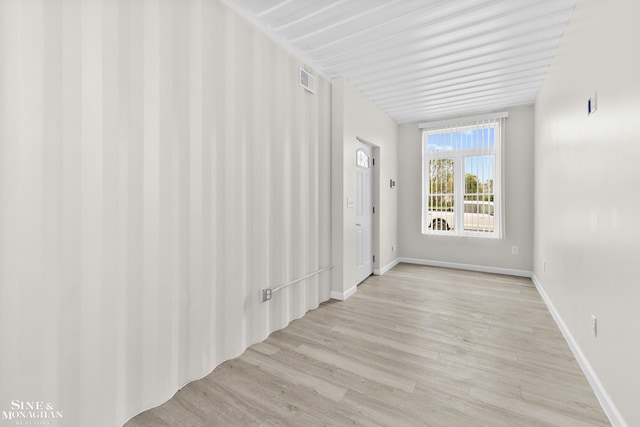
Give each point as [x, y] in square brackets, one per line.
[418, 346]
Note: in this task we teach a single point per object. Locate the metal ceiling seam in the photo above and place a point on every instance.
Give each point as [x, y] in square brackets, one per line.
[351, 18]
[538, 76]
[515, 98]
[394, 49]
[410, 49]
[473, 91]
[369, 28]
[455, 100]
[450, 70]
[441, 29]
[450, 58]
[375, 41]
[534, 57]
[277, 6]
[494, 72]
[309, 15]
[247, 16]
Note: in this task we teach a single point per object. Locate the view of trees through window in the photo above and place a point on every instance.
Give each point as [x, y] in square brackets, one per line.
[478, 181]
[441, 184]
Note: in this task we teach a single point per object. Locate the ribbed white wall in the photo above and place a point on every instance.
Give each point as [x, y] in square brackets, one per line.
[159, 165]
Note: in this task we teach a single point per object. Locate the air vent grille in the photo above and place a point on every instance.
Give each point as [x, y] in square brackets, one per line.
[307, 81]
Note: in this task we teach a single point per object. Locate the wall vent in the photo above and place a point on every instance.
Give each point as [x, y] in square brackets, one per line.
[307, 81]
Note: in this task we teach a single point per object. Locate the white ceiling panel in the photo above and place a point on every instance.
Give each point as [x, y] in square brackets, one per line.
[423, 59]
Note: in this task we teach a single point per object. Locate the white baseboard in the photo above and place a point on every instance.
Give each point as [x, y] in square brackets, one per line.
[387, 267]
[603, 397]
[344, 295]
[481, 268]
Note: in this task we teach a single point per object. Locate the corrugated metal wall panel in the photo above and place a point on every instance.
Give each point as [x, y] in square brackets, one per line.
[159, 165]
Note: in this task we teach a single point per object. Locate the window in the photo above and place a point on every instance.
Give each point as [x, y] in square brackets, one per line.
[462, 170]
[362, 159]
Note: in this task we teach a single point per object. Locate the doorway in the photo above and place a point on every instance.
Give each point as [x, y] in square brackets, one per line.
[364, 211]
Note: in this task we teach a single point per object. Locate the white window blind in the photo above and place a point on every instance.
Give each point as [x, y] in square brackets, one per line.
[462, 177]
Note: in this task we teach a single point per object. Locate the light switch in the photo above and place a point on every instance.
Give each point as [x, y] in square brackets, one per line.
[592, 103]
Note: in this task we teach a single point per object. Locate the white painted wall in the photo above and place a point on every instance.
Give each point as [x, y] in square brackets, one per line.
[159, 165]
[587, 198]
[354, 116]
[490, 254]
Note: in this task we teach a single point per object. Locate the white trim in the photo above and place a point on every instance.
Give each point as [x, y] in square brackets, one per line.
[458, 266]
[344, 295]
[463, 120]
[387, 267]
[603, 397]
[364, 141]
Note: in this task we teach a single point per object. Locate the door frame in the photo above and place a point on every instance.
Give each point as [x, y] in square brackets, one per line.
[365, 212]
[375, 180]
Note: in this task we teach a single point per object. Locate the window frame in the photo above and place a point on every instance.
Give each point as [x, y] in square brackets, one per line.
[459, 163]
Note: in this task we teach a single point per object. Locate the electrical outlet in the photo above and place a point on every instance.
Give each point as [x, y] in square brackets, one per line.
[514, 250]
[544, 266]
[265, 295]
[393, 247]
[594, 325]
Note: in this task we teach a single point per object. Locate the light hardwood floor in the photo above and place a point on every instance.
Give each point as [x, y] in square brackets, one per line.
[418, 346]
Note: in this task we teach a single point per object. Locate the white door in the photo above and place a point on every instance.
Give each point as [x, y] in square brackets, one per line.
[364, 211]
